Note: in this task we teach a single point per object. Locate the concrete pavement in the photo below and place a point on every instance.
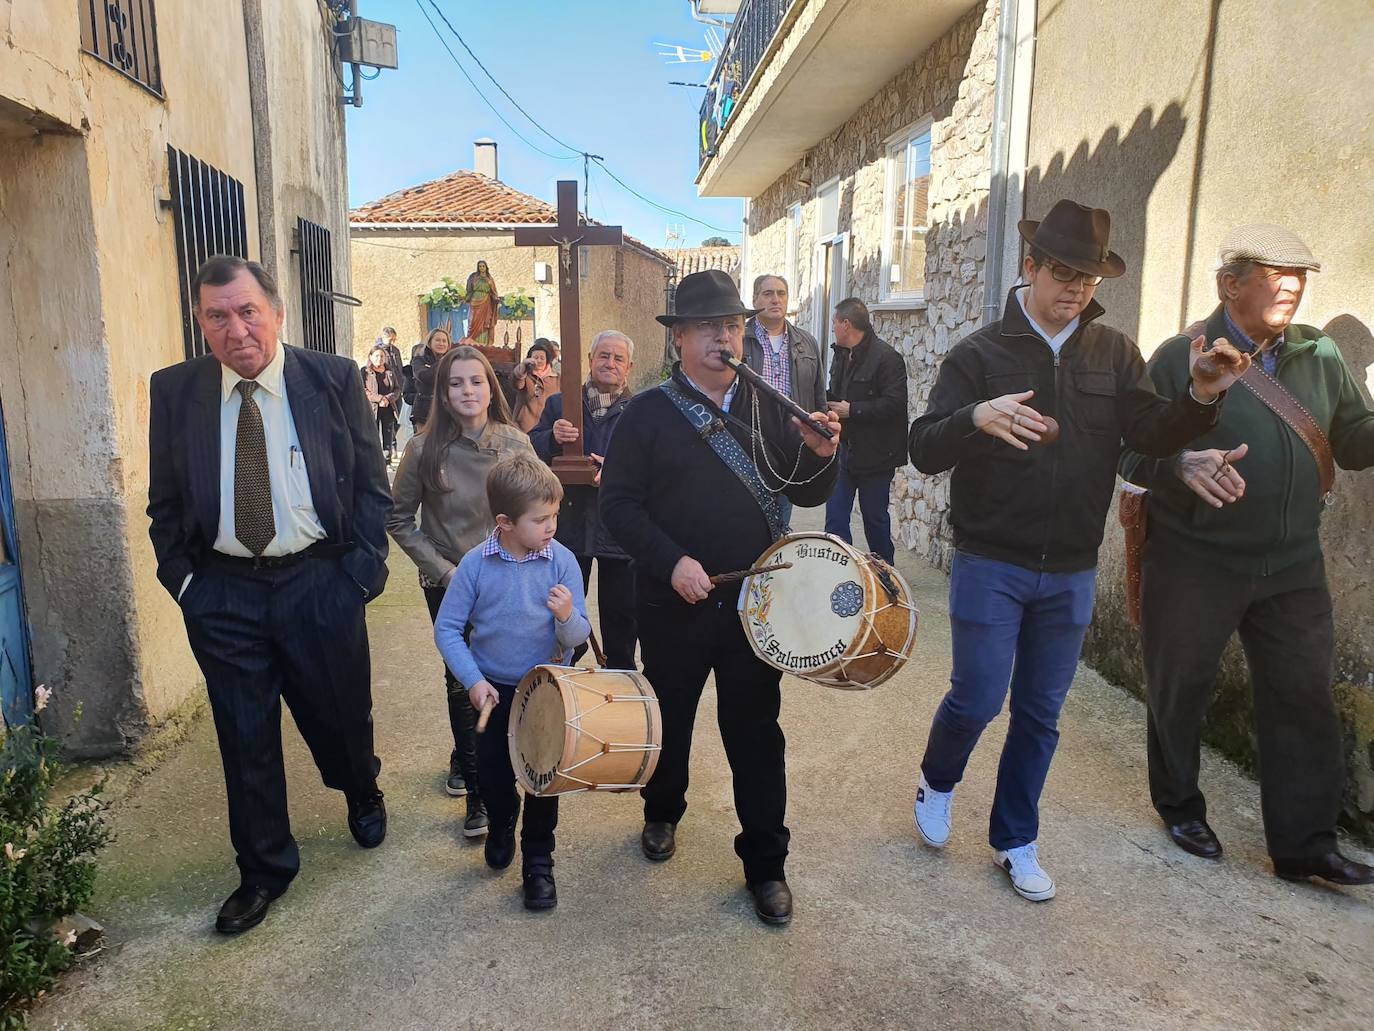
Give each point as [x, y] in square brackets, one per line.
[887, 933]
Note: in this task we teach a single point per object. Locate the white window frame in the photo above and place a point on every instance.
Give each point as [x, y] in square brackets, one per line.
[791, 250]
[894, 164]
[840, 239]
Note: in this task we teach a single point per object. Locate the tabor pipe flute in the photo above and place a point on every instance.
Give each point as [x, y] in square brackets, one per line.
[777, 395]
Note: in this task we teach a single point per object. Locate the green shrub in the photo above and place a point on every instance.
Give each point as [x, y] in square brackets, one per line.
[47, 866]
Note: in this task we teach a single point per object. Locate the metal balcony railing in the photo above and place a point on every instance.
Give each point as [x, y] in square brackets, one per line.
[752, 31]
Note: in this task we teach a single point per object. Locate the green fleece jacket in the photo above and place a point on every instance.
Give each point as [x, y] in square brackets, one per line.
[1274, 524]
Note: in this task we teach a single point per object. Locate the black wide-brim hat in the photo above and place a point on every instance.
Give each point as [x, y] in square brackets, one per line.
[706, 295]
[1075, 236]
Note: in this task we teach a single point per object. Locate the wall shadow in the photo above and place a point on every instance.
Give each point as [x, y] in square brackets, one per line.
[1118, 173]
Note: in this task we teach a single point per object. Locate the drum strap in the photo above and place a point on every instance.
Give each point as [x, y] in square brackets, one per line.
[711, 429]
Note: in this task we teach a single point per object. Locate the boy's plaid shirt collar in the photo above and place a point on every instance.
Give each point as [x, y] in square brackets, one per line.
[492, 546]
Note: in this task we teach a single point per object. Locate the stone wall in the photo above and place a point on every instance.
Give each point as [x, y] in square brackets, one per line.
[951, 83]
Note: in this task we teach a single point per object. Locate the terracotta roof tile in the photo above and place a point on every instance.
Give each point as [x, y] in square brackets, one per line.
[466, 197]
[459, 197]
[699, 259]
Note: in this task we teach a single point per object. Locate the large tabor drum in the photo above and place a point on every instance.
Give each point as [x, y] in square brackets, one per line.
[837, 616]
[575, 729]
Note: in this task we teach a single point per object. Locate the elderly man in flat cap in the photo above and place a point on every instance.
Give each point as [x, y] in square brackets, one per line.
[1030, 412]
[1233, 548]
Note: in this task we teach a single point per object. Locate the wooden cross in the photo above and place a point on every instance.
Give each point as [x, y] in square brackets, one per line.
[572, 466]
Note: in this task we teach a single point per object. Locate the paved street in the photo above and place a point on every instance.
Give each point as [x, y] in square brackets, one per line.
[887, 934]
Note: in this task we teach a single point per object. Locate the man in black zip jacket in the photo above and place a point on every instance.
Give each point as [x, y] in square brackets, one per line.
[868, 393]
[683, 515]
[1028, 506]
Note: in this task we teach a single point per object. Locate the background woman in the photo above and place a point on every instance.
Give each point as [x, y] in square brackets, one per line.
[383, 387]
[423, 362]
[483, 302]
[443, 474]
[533, 381]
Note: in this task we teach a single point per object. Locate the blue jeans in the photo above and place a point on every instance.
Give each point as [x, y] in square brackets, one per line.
[785, 509]
[873, 493]
[1015, 625]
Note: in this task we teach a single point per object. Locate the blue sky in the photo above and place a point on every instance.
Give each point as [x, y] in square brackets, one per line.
[586, 69]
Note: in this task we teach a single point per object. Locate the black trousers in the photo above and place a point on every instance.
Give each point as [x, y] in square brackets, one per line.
[1188, 612]
[386, 424]
[462, 720]
[681, 645]
[263, 636]
[498, 783]
[615, 600]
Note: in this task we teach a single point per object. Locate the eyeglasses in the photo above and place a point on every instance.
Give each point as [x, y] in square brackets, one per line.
[1064, 274]
[712, 327]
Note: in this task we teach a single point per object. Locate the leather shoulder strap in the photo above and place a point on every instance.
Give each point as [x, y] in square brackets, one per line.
[1296, 418]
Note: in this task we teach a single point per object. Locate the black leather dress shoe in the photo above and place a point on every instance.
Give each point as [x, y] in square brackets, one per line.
[245, 908]
[367, 820]
[1332, 867]
[1196, 837]
[540, 891]
[772, 901]
[499, 849]
[659, 840]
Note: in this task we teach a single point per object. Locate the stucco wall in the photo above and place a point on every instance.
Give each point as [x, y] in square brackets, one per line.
[391, 269]
[308, 153]
[951, 83]
[1231, 113]
[90, 308]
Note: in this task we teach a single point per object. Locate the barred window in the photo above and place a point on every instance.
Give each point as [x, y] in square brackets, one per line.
[317, 285]
[123, 35]
[208, 213]
[619, 274]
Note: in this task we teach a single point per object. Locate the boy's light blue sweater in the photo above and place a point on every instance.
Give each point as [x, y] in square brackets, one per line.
[512, 627]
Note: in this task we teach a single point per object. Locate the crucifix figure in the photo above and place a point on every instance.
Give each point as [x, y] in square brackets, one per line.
[568, 235]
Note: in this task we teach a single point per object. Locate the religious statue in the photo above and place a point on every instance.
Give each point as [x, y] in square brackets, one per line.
[483, 302]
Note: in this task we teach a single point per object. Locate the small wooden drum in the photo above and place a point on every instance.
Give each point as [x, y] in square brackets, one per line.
[837, 616]
[575, 729]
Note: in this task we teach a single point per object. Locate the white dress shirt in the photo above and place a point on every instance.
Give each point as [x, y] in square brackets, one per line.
[293, 507]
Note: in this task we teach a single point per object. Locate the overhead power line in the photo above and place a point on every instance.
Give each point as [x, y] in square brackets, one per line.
[575, 152]
[476, 89]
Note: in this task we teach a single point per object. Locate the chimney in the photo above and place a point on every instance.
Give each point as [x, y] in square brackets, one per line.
[484, 157]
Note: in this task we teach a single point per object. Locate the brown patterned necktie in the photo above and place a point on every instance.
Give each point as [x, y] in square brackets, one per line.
[254, 524]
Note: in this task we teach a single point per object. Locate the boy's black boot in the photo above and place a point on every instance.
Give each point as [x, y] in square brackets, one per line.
[540, 891]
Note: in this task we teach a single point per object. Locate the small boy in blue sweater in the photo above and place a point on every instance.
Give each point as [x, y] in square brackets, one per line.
[518, 595]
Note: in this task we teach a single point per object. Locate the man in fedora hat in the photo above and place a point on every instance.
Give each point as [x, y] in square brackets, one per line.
[1030, 412]
[1240, 554]
[681, 494]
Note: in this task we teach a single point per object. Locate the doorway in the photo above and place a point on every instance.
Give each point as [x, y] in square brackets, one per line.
[16, 681]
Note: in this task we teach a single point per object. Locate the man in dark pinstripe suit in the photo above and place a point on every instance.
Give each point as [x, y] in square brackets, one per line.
[267, 496]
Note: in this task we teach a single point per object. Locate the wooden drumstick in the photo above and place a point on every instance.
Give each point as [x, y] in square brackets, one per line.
[740, 574]
[485, 714]
[596, 649]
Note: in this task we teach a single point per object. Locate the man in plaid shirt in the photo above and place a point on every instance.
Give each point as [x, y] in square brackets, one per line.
[783, 353]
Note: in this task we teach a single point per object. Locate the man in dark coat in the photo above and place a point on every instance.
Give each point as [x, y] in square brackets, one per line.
[268, 497]
[580, 530]
[1029, 497]
[683, 514]
[868, 393]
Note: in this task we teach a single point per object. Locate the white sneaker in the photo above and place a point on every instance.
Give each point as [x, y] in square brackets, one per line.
[932, 814]
[1023, 867]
